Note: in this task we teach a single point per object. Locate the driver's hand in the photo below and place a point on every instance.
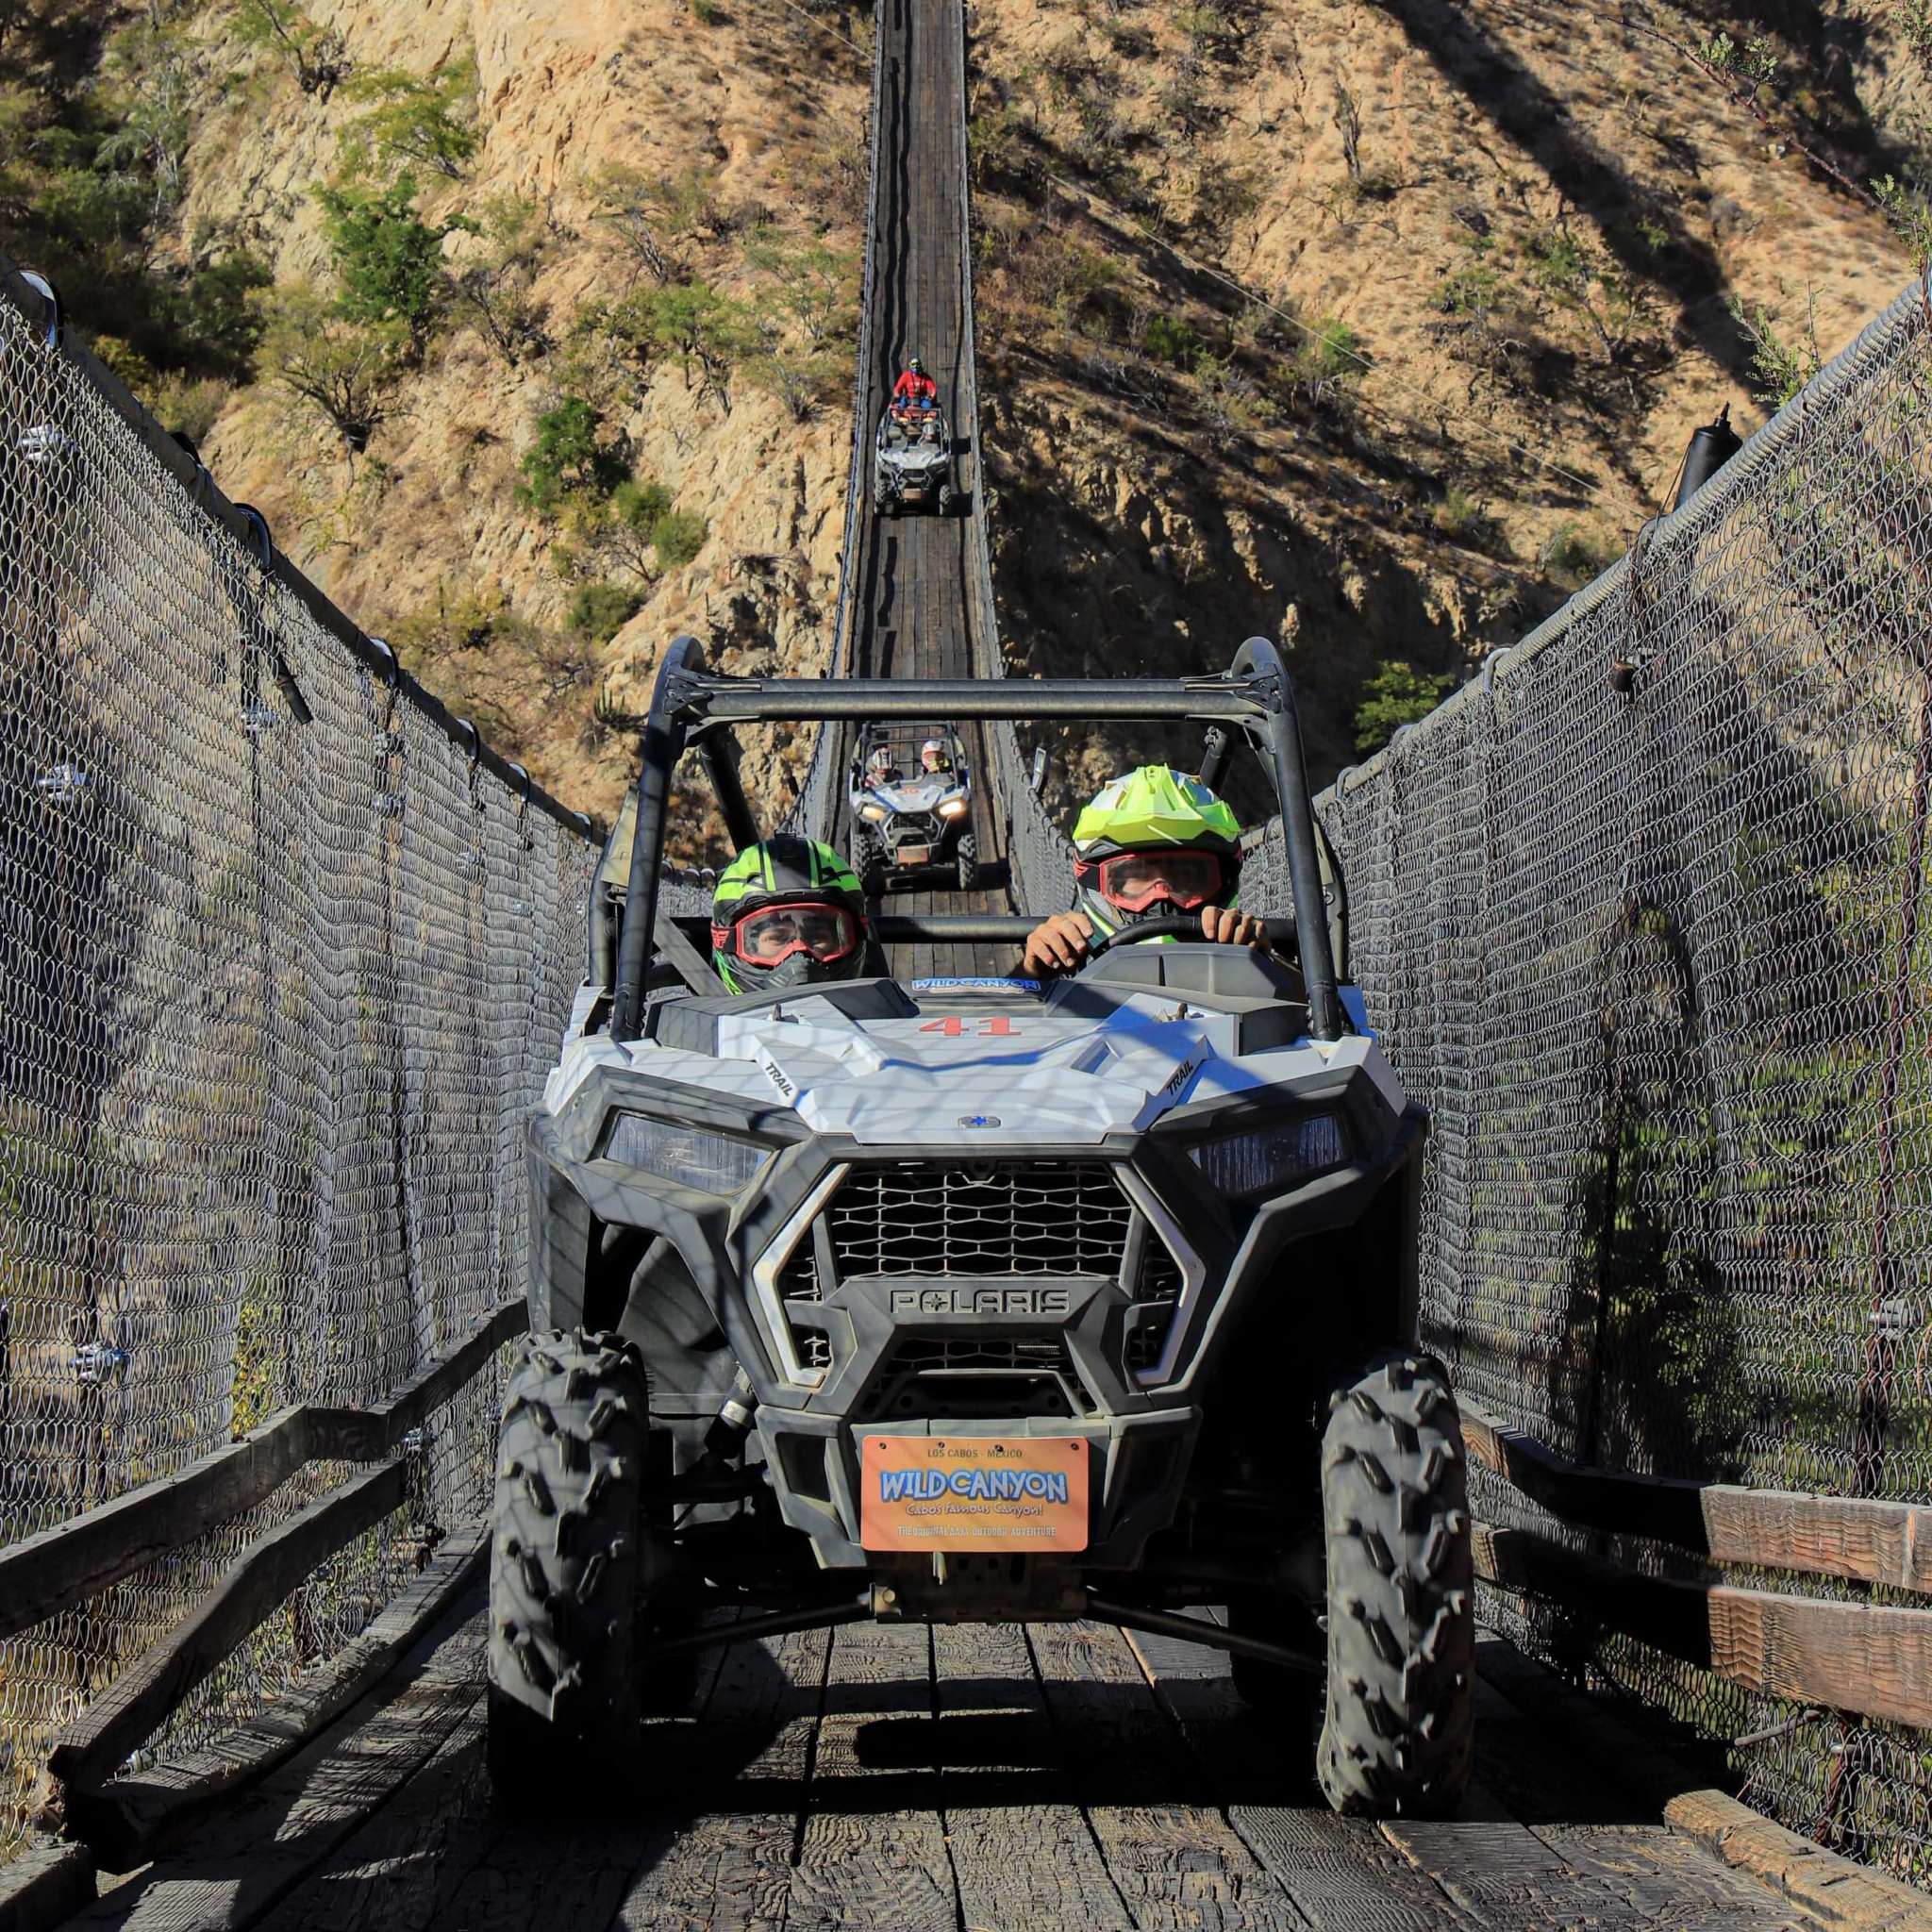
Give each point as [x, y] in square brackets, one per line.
[1226, 927]
[1057, 944]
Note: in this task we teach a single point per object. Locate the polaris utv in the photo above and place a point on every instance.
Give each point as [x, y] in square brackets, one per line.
[911, 796]
[912, 463]
[978, 1301]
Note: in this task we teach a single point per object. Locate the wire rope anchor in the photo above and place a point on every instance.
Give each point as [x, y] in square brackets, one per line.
[522, 817]
[1633, 657]
[475, 865]
[265, 557]
[55, 328]
[65, 786]
[45, 446]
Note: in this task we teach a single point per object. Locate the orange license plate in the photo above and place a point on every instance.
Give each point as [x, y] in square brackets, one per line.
[913, 855]
[973, 1492]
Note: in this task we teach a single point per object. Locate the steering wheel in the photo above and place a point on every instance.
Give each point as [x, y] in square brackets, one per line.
[1279, 933]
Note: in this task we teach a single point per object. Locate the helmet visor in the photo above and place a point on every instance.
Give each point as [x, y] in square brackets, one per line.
[1136, 881]
[772, 934]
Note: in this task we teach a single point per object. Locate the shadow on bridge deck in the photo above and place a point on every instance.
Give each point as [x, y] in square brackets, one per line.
[975, 1779]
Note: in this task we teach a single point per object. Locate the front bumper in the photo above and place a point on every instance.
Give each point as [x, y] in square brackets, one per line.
[913, 1341]
[1139, 1464]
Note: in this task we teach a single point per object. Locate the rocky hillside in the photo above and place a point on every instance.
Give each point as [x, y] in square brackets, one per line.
[1376, 326]
[1384, 326]
[531, 333]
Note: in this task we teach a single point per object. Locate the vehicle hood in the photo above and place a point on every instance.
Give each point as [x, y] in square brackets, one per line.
[977, 1073]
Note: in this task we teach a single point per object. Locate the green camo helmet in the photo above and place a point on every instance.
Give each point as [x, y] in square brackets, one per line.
[1153, 809]
[786, 872]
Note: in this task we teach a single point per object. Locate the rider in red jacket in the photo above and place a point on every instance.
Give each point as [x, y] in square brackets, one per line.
[915, 390]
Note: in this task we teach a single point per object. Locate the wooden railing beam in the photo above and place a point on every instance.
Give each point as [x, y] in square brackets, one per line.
[1869, 1541]
[137, 1702]
[63, 1566]
[1855, 1657]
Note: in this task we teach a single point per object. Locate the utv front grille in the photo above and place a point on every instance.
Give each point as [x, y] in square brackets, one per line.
[798, 1281]
[1157, 1290]
[929, 1218]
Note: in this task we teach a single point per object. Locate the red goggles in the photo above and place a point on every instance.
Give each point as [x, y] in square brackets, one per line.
[1136, 881]
[772, 934]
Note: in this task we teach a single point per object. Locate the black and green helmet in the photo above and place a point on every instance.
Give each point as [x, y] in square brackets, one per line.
[788, 912]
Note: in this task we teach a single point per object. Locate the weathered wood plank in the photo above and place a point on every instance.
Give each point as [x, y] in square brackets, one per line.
[252, 1854]
[1342, 1875]
[58, 1568]
[366, 1435]
[874, 1852]
[1022, 1856]
[1774, 1530]
[1500, 1873]
[131, 1707]
[54, 1571]
[1620, 1852]
[736, 1782]
[1826, 1887]
[129, 1819]
[442, 1849]
[44, 1886]
[1849, 1656]
[398, 1869]
[560, 1877]
[1177, 1863]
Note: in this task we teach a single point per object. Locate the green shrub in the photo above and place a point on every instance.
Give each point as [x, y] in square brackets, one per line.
[641, 506]
[600, 610]
[1560, 265]
[698, 325]
[388, 261]
[1909, 214]
[678, 536]
[1470, 289]
[191, 404]
[1574, 552]
[568, 457]
[1172, 340]
[318, 57]
[1331, 353]
[1914, 21]
[1782, 368]
[1461, 515]
[213, 314]
[345, 370]
[1395, 695]
[416, 123]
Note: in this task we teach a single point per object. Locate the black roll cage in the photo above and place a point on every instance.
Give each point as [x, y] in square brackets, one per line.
[693, 709]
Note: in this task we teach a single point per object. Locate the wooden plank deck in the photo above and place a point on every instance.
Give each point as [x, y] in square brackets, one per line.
[959, 1779]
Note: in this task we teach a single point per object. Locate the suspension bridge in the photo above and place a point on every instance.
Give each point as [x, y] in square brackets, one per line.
[286, 950]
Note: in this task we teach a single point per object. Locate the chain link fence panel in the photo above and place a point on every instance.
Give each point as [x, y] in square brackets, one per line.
[285, 955]
[1640, 916]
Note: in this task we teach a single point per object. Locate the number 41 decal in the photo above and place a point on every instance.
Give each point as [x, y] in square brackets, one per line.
[999, 1025]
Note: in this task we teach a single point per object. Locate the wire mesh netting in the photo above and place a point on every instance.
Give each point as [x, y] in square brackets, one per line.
[282, 962]
[1650, 945]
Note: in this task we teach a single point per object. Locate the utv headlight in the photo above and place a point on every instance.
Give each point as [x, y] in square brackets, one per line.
[874, 812]
[692, 1156]
[952, 807]
[1266, 1159]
